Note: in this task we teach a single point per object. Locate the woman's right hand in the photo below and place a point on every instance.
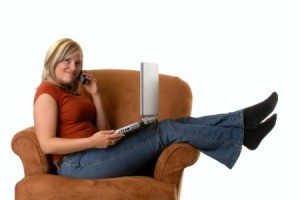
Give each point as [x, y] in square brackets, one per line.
[104, 139]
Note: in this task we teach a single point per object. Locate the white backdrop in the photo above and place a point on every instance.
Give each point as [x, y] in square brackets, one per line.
[233, 54]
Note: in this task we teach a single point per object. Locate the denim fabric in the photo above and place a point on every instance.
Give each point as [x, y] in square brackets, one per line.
[218, 136]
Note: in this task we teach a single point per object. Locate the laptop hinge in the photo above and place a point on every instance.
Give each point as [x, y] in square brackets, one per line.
[149, 120]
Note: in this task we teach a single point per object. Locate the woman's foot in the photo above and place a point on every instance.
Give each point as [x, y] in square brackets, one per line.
[252, 138]
[255, 114]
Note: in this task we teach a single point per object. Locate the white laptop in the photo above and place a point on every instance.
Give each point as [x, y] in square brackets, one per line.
[148, 98]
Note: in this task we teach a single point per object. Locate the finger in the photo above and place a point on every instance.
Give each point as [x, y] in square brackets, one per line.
[90, 76]
[108, 132]
[117, 139]
[116, 136]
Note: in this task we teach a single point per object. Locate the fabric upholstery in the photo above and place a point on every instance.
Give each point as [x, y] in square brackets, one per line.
[120, 93]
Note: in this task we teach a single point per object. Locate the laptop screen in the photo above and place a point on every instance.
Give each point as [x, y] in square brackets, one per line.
[149, 85]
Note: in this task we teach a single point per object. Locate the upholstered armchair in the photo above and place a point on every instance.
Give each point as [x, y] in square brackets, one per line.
[161, 180]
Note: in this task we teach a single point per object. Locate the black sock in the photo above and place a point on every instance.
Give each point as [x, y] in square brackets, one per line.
[255, 114]
[252, 138]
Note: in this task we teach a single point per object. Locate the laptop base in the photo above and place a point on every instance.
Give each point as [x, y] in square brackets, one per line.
[135, 126]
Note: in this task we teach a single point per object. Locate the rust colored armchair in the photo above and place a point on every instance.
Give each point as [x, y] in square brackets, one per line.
[120, 93]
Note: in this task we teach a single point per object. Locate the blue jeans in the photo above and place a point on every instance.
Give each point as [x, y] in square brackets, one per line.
[218, 136]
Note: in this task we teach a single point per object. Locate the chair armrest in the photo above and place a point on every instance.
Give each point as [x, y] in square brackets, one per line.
[169, 166]
[173, 160]
[26, 146]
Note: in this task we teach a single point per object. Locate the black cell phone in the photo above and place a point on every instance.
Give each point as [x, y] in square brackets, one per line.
[82, 78]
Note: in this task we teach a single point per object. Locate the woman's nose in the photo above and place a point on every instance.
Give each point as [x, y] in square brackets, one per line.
[72, 66]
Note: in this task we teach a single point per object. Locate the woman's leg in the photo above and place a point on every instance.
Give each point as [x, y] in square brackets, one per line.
[126, 157]
[255, 126]
[220, 136]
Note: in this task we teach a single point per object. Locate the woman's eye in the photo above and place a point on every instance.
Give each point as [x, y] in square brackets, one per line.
[78, 64]
[67, 60]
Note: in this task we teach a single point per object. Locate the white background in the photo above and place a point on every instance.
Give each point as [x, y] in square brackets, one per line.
[232, 53]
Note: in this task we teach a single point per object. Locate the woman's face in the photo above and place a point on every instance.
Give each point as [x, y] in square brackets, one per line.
[67, 71]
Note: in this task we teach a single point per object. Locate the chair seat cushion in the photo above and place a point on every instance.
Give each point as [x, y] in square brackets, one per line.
[48, 186]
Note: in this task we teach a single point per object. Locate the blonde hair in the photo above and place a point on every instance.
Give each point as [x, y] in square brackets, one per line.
[58, 51]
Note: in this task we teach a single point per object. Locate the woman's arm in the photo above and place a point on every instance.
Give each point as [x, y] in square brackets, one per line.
[102, 122]
[45, 121]
[101, 119]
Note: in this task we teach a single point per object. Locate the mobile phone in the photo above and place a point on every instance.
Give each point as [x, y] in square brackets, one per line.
[82, 78]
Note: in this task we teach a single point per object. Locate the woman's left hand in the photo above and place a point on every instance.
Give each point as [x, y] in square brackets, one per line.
[91, 83]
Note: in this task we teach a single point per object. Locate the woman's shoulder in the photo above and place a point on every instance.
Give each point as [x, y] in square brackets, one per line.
[48, 88]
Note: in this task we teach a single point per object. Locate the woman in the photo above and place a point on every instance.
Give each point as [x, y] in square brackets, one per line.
[74, 128]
